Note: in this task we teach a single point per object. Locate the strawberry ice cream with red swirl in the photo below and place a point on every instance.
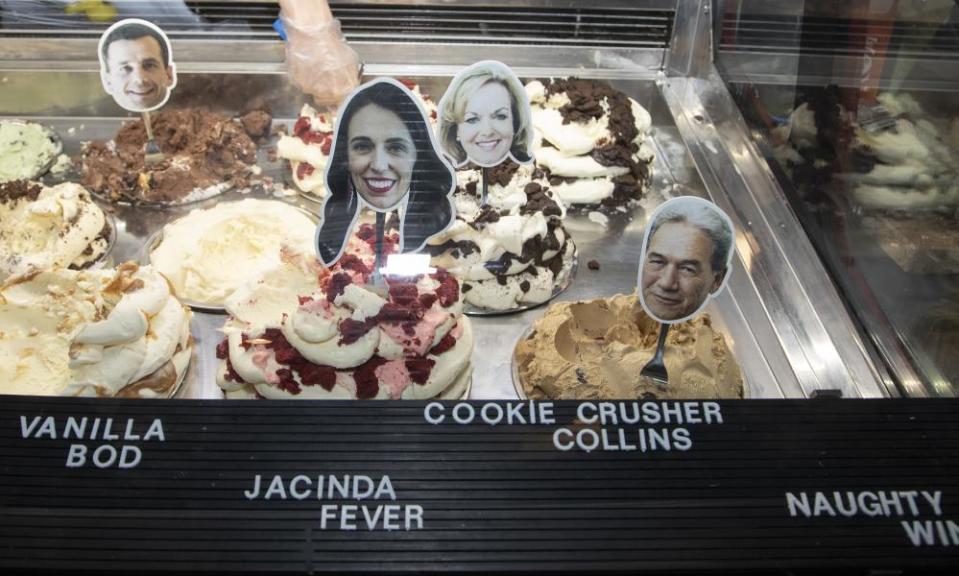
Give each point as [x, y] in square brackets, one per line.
[302, 331]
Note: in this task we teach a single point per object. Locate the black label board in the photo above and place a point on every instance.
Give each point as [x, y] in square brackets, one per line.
[484, 487]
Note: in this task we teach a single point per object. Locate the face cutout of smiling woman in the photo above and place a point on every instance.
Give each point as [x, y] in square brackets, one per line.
[485, 117]
[687, 252]
[136, 65]
[384, 156]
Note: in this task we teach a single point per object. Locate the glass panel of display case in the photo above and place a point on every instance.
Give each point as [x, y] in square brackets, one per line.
[854, 106]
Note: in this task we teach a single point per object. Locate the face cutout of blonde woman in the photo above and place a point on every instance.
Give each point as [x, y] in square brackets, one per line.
[486, 130]
[485, 117]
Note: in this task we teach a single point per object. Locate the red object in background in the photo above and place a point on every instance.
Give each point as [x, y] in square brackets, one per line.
[877, 19]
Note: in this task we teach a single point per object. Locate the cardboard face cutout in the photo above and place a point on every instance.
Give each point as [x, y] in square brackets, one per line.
[687, 252]
[136, 65]
[384, 156]
[485, 117]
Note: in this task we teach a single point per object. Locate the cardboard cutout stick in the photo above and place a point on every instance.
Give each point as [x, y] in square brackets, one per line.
[485, 117]
[384, 156]
[687, 252]
[136, 65]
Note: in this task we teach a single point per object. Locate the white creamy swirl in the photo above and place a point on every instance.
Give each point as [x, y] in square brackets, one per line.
[96, 333]
[62, 227]
[343, 337]
[209, 254]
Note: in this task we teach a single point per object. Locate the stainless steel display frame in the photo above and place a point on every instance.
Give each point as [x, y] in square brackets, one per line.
[796, 313]
[931, 70]
[805, 310]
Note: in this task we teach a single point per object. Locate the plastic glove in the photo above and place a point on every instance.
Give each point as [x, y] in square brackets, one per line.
[318, 59]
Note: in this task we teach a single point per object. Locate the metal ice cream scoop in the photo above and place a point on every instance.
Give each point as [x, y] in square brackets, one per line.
[151, 151]
[655, 369]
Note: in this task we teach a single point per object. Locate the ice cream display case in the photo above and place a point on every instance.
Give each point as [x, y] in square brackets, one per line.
[788, 344]
[188, 361]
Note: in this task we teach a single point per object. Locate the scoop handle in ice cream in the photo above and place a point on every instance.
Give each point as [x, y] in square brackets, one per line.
[656, 367]
[318, 59]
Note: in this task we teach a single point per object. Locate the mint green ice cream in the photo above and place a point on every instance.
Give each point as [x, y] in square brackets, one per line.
[25, 150]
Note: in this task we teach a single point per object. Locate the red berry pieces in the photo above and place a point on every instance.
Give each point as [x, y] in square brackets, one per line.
[353, 330]
[392, 312]
[427, 300]
[302, 131]
[287, 382]
[304, 169]
[313, 375]
[352, 262]
[444, 345]
[338, 282]
[403, 294]
[449, 289]
[301, 127]
[367, 384]
[419, 369]
[366, 232]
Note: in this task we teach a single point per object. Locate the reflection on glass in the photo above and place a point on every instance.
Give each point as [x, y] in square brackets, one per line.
[863, 131]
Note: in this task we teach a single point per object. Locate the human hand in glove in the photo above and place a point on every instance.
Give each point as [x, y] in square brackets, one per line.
[318, 59]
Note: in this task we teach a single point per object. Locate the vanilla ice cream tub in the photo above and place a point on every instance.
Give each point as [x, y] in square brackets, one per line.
[209, 253]
[103, 333]
[46, 227]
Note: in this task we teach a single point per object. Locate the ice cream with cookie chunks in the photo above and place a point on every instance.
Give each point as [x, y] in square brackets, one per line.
[206, 153]
[590, 140]
[512, 252]
[301, 331]
[307, 148]
[45, 227]
[596, 349]
[209, 253]
[109, 333]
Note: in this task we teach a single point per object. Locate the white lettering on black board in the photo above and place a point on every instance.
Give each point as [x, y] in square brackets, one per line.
[920, 511]
[341, 489]
[93, 436]
[641, 427]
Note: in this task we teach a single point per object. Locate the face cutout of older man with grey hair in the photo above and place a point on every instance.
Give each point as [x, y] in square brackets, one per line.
[687, 252]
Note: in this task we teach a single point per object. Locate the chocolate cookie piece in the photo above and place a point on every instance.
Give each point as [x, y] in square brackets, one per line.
[17, 189]
[202, 149]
